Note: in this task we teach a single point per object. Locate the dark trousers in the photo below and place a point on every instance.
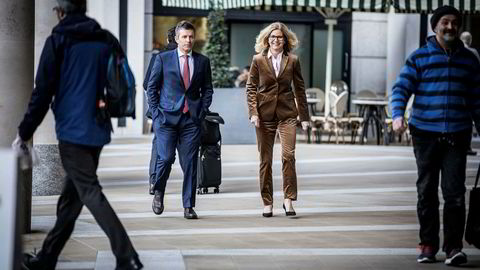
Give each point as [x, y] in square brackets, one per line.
[185, 137]
[81, 187]
[153, 160]
[445, 155]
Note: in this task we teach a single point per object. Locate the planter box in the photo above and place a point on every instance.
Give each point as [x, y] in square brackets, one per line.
[231, 104]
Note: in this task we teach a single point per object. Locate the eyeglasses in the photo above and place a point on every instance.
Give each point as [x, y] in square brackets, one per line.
[279, 38]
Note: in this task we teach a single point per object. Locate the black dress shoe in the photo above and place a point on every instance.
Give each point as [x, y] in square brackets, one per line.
[131, 264]
[269, 214]
[157, 203]
[35, 262]
[289, 213]
[470, 152]
[150, 190]
[189, 213]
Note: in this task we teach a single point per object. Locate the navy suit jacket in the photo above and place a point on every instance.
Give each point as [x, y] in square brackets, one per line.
[166, 91]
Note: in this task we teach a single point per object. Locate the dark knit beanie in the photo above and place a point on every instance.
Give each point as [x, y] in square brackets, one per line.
[442, 11]
[73, 6]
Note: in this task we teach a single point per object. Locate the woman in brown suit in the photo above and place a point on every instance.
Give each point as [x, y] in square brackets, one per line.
[272, 108]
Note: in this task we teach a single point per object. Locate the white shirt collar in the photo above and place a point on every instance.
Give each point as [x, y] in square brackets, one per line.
[279, 56]
[180, 53]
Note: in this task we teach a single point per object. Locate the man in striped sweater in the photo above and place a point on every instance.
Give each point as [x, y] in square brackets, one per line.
[445, 78]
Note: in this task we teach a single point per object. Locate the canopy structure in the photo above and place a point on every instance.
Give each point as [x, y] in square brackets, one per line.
[347, 5]
[400, 6]
[205, 4]
[428, 6]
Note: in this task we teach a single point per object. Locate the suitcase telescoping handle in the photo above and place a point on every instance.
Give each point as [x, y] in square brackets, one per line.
[478, 174]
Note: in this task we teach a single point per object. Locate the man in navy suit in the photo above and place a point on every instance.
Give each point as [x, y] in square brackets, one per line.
[179, 94]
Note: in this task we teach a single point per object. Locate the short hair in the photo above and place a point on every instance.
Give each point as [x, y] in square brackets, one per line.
[73, 6]
[185, 25]
[466, 37]
[171, 35]
[290, 38]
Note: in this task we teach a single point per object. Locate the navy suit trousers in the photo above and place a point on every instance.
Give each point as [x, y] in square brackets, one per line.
[185, 137]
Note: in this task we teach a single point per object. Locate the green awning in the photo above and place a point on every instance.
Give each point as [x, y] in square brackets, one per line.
[205, 4]
[427, 6]
[363, 5]
[402, 6]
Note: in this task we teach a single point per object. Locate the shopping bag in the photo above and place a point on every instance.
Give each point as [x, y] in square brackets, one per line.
[472, 231]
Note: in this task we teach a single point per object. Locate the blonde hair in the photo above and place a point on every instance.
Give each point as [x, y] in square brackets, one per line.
[290, 38]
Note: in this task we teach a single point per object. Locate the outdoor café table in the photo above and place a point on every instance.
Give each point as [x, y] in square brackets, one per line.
[372, 110]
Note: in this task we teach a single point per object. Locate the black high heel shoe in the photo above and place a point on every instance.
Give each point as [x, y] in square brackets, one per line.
[289, 213]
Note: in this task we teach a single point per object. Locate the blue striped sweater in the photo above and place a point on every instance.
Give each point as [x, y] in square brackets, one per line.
[446, 88]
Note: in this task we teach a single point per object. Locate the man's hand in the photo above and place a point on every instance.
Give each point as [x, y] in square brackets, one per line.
[254, 120]
[305, 125]
[398, 125]
[26, 154]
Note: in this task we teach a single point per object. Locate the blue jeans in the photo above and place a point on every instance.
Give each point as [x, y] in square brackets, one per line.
[443, 154]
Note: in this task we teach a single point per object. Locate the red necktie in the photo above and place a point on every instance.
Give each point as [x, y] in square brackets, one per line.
[186, 80]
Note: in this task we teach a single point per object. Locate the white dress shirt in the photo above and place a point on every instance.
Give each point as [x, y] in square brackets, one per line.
[181, 61]
[276, 61]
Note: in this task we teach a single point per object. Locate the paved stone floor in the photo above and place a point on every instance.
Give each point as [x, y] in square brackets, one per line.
[355, 210]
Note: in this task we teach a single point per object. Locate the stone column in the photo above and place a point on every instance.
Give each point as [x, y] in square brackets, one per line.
[147, 55]
[48, 175]
[135, 53]
[395, 47]
[16, 80]
[402, 39]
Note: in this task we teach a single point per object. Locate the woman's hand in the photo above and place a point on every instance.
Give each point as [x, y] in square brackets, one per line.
[254, 120]
[305, 125]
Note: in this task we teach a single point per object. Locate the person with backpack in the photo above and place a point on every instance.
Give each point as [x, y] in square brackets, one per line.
[172, 45]
[73, 69]
[179, 94]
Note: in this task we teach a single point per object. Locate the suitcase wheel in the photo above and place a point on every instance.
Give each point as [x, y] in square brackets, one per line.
[202, 190]
[216, 190]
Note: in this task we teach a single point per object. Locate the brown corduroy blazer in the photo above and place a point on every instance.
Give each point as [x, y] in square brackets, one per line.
[269, 96]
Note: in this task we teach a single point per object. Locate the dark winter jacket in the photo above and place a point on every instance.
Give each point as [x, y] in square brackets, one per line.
[446, 88]
[72, 71]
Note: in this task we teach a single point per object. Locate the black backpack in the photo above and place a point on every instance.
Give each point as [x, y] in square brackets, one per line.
[120, 91]
[118, 97]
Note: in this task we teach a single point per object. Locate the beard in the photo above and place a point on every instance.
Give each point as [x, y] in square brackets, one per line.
[449, 38]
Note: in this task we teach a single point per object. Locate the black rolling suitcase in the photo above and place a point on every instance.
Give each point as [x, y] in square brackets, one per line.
[209, 169]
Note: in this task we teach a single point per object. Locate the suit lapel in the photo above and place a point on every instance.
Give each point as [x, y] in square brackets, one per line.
[269, 63]
[283, 65]
[180, 77]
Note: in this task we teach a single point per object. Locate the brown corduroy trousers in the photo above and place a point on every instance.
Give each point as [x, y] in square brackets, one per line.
[265, 139]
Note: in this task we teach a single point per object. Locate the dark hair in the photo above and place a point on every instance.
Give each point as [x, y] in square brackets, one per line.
[171, 35]
[73, 6]
[247, 67]
[186, 25]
